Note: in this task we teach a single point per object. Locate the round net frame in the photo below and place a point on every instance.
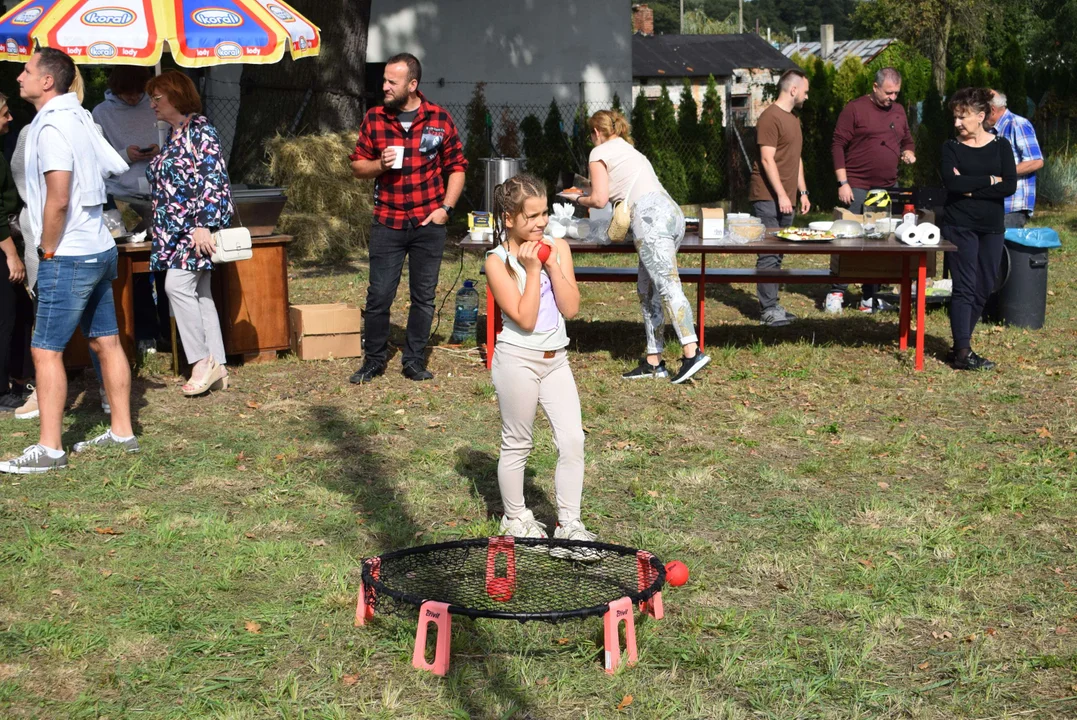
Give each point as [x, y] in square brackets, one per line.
[510, 578]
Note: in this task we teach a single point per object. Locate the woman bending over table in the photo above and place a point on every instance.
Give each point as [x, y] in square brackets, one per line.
[619, 173]
[978, 171]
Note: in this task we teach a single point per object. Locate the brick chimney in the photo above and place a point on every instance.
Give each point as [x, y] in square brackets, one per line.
[642, 19]
[826, 41]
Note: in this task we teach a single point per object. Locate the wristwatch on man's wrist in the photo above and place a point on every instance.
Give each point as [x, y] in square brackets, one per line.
[448, 210]
[802, 193]
[842, 183]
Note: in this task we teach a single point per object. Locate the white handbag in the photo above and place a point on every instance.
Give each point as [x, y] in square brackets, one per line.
[232, 244]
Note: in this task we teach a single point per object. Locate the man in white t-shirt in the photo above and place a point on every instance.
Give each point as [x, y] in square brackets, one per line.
[66, 161]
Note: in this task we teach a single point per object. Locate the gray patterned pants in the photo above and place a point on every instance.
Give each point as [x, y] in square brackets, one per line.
[657, 230]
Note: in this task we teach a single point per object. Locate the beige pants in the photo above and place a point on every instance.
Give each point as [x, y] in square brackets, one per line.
[191, 301]
[525, 379]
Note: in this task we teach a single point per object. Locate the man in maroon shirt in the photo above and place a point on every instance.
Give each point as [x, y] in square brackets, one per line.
[411, 207]
[872, 136]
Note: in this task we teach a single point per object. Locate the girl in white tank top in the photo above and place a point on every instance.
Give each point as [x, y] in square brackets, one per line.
[530, 365]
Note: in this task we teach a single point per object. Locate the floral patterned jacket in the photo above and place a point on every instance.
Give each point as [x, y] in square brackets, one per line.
[190, 189]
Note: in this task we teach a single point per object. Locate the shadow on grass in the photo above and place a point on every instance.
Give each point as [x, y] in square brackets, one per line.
[364, 476]
[481, 469]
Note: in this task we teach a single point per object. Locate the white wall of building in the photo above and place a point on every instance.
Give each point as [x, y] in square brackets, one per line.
[527, 51]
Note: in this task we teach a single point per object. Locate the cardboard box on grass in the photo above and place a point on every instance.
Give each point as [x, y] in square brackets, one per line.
[322, 332]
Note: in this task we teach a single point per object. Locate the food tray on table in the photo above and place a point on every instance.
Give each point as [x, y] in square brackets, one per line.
[805, 236]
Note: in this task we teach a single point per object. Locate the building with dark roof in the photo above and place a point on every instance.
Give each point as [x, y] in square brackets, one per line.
[743, 65]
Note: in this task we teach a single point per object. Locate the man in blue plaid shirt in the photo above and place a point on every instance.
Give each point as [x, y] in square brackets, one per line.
[1026, 152]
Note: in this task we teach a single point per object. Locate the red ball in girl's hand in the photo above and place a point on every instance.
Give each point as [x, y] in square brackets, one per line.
[676, 573]
[543, 253]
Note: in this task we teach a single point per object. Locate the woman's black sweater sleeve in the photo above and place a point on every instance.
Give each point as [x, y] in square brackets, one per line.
[1008, 173]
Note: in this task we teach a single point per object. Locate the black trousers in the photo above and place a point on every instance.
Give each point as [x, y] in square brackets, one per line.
[974, 269]
[16, 326]
[423, 246]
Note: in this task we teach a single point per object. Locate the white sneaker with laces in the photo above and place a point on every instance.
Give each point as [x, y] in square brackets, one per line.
[525, 526]
[575, 530]
[834, 302]
[34, 459]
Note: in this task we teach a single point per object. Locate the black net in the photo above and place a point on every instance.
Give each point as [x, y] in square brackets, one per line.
[511, 578]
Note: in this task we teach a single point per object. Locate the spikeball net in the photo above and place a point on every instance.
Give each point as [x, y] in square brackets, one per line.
[509, 578]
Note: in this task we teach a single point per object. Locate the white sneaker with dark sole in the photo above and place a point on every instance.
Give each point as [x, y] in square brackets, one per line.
[34, 459]
[525, 526]
[575, 530]
[107, 439]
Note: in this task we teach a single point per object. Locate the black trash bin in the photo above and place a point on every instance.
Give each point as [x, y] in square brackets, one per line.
[1021, 296]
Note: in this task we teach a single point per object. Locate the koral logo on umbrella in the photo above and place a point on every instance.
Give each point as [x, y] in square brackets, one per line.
[27, 16]
[108, 17]
[280, 13]
[101, 50]
[227, 50]
[217, 17]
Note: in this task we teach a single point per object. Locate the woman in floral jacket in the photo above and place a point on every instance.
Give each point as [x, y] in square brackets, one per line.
[192, 199]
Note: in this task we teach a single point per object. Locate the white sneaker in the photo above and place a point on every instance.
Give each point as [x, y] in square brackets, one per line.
[575, 530]
[834, 302]
[525, 526]
[29, 409]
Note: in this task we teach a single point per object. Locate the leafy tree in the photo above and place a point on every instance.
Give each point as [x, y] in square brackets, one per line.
[508, 141]
[851, 81]
[665, 117]
[1011, 80]
[479, 144]
[697, 22]
[926, 24]
[930, 135]
[616, 105]
[559, 157]
[817, 120]
[690, 146]
[533, 145]
[642, 119]
[664, 153]
[712, 137]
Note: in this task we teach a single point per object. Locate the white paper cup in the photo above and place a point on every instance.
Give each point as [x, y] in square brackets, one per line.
[556, 229]
[399, 161]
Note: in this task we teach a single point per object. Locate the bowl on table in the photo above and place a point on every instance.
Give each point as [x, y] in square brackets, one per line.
[822, 225]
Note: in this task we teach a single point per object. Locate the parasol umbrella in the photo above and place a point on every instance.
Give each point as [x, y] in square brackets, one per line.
[198, 33]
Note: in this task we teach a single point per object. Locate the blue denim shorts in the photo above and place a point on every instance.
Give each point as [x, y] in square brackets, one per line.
[75, 291]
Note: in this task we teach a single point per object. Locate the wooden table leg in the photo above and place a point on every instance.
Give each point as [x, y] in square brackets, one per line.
[123, 289]
[905, 309]
[491, 323]
[921, 304]
[701, 296]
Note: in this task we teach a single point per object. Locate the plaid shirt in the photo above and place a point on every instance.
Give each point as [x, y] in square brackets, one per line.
[1022, 137]
[403, 198]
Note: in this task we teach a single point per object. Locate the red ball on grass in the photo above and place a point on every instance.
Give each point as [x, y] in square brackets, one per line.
[676, 573]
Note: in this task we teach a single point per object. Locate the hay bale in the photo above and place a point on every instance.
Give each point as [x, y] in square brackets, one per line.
[328, 211]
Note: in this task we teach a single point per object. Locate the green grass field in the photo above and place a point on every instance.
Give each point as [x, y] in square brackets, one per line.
[865, 541]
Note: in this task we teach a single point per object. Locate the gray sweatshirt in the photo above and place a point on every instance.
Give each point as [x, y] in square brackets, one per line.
[126, 125]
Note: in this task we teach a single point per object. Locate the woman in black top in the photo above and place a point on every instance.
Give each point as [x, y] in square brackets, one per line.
[978, 171]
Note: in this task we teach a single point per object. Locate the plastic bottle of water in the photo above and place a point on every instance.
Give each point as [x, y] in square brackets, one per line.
[467, 313]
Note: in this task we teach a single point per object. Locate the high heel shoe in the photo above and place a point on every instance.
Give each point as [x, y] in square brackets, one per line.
[216, 374]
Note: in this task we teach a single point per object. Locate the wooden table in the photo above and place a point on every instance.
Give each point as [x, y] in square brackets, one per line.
[251, 298]
[896, 262]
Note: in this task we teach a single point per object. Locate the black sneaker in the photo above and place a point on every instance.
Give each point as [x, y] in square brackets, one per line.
[415, 371]
[973, 362]
[690, 366]
[10, 402]
[646, 370]
[368, 372]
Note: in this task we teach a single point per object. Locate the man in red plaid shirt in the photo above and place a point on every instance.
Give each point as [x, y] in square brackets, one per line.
[412, 204]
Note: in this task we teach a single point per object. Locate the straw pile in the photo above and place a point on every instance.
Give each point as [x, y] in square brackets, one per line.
[328, 211]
